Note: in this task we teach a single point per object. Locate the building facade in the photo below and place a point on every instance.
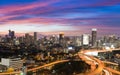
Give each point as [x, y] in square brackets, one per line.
[94, 36]
[15, 63]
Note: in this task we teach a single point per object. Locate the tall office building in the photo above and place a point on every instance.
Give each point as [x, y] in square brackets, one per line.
[78, 41]
[11, 34]
[94, 36]
[35, 36]
[61, 37]
[85, 39]
[27, 38]
[0, 39]
[27, 35]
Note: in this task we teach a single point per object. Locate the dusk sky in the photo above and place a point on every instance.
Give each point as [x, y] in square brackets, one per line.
[73, 17]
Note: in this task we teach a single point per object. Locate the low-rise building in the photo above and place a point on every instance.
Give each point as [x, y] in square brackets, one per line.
[15, 63]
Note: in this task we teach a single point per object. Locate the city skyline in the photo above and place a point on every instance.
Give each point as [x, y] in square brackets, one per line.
[73, 17]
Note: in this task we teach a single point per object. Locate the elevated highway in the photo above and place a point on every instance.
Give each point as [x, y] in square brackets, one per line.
[96, 71]
[105, 69]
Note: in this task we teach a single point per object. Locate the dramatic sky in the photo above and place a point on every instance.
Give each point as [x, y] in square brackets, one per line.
[73, 17]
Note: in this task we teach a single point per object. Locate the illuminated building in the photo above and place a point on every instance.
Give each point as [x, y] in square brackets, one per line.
[111, 38]
[61, 37]
[16, 42]
[85, 39]
[15, 63]
[94, 36]
[78, 41]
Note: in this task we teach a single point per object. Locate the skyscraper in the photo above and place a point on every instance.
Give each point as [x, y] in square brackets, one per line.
[94, 36]
[11, 34]
[61, 37]
[0, 38]
[35, 36]
[85, 39]
[27, 38]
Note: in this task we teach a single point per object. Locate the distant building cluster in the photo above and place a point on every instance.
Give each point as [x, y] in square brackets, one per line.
[85, 40]
[48, 48]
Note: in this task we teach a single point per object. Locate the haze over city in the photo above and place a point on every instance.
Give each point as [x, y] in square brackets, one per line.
[73, 17]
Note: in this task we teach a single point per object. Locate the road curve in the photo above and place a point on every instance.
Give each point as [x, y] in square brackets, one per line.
[107, 72]
[105, 68]
[100, 67]
[98, 70]
[113, 71]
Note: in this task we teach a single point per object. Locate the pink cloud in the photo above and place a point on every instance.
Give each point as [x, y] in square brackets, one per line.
[12, 8]
[45, 21]
[3, 18]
